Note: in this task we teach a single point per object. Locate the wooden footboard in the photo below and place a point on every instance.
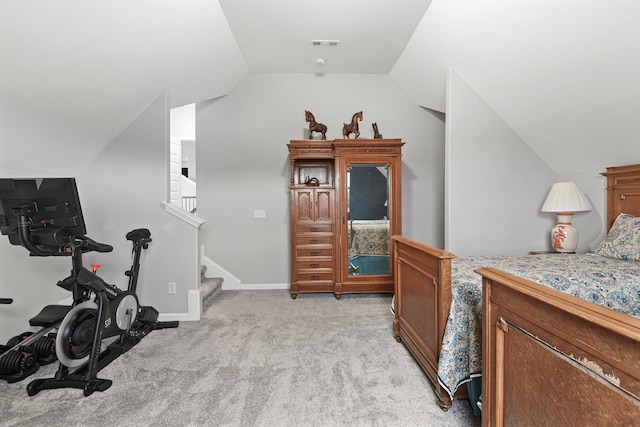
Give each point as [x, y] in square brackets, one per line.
[552, 359]
[422, 300]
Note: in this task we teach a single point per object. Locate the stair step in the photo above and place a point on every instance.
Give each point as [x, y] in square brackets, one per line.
[209, 289]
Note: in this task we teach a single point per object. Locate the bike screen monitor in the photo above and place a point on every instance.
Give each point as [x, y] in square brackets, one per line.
[47, 203]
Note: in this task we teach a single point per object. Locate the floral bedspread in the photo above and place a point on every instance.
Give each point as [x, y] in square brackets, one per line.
[370, 237]
[608, 282]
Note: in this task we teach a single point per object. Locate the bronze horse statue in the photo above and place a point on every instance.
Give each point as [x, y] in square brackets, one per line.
[315, 126]
[352, 127]
[376, 134]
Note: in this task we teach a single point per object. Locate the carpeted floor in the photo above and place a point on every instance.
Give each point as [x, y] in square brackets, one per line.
[257, 358]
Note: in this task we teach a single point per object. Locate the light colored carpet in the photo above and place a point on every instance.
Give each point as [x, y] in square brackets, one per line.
[257, 358]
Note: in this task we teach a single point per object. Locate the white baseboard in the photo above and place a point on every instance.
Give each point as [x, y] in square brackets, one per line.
[170, 317]
[194, 307]
[194, 304]
[260, 286]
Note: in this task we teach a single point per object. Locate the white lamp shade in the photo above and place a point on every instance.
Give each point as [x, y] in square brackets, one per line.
[565, 197]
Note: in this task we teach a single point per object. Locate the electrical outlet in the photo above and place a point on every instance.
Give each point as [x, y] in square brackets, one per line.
[259, 213]
[172, 287]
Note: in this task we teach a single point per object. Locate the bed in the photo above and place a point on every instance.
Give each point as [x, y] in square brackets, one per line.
[369, 247]
[427, 285]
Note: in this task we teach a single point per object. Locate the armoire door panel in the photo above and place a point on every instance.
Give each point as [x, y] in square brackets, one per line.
[324, 205]
[303, 205]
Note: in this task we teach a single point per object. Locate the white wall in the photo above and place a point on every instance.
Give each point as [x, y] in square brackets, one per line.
[243, 162]
[495, 183]
[183, 122]
[33, 144]
[123, 189]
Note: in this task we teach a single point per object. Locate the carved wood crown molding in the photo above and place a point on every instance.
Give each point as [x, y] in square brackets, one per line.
[309, 149]
[627, 180]
[368, 150]
[622, 175]
[622, 170]
[313, 150]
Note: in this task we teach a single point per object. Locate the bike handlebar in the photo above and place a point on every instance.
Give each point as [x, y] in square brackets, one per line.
[92, 245]
[55, 241]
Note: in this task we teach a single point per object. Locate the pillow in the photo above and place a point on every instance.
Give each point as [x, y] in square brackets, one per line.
[623, 240]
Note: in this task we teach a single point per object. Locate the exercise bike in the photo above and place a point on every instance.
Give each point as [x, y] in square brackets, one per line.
[104, 322]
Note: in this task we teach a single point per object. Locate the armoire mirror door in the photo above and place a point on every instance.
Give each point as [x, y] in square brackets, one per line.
[368, 235]
[369, 213]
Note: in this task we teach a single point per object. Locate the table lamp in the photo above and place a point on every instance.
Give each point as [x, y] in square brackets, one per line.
[564, 199]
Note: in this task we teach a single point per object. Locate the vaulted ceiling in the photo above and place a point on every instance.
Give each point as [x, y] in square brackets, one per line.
[565, 75]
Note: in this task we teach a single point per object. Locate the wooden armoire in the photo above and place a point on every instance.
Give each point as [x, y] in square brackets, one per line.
[345, 206]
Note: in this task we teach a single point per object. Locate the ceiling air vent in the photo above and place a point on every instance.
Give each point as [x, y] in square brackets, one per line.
[325, 42]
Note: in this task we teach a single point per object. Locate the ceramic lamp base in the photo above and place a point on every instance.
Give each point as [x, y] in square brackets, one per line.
[564, 236]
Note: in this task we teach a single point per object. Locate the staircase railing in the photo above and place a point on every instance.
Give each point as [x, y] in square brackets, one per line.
[189, 203]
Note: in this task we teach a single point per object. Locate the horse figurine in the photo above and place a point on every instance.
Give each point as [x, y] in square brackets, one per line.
[353, 126]
[314, 182]
[315, 126]
[376, 134]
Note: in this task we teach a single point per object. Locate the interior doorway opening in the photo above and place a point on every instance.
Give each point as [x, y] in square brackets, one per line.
[182, 158]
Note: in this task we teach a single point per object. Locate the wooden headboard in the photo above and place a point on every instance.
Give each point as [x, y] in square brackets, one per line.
[623, 191]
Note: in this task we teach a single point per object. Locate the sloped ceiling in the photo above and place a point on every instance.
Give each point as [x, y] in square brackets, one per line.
[565, 75]
[93, 65]
[275, 35]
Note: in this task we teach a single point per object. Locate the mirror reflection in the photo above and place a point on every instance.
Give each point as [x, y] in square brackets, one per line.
[368, 213]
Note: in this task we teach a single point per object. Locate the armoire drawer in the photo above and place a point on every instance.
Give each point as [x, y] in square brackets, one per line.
[314, 228]
[307, 276]
[314, 251]
[315, 240]
[308, 264]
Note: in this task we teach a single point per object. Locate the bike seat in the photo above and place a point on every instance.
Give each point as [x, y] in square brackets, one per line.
[138, 233]
[50, 315]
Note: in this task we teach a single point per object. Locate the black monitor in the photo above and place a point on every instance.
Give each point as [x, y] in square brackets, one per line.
[49, 204]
